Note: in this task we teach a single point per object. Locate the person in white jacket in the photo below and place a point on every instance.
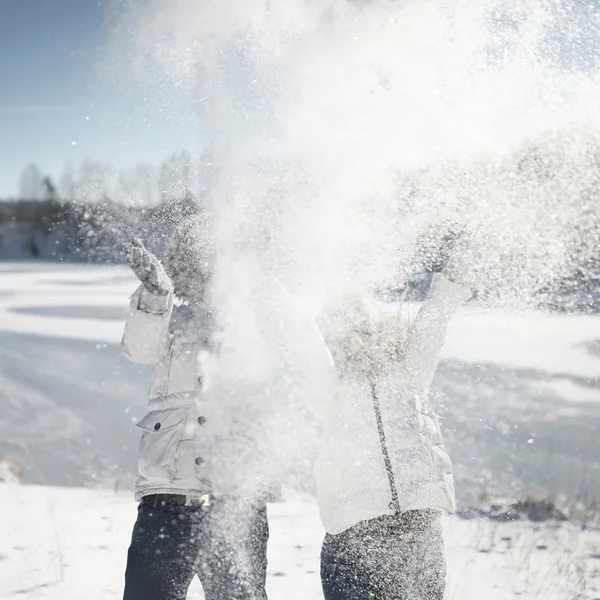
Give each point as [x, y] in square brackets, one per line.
[201, 482]
[383, 475]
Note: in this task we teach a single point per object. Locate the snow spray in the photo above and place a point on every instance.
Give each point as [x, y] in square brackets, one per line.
[348, 134]
[347, 131]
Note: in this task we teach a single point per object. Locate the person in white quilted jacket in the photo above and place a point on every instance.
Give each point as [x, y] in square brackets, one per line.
[383, 475]
[202, 480]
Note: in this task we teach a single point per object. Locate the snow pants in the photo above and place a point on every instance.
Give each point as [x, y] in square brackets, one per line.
[389, 558]
[224, 544]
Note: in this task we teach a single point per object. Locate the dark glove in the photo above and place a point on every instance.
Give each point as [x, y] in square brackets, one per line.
[147, 268]
[434, 247]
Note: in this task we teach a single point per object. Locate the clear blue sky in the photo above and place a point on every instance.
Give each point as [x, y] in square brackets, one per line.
[58, 103]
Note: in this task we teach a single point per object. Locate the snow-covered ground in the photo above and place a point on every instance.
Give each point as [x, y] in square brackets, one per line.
[518, 396]
[69, 544]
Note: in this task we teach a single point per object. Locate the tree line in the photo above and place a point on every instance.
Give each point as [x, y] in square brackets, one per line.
[554, 181]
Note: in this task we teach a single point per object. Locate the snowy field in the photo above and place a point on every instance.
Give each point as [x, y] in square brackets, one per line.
[69, 544]
[518, 396]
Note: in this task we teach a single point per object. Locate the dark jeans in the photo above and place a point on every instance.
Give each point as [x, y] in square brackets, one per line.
[224, 544]
[388, 558]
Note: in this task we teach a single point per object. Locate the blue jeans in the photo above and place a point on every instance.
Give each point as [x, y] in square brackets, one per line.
[224, 544]
[388, 558]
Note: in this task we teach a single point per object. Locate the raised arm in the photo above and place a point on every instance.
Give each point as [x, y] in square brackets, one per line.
[146, 339]
[427, 333]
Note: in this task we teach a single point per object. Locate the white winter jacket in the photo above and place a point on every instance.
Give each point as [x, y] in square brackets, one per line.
[361, 461]
[203, 432]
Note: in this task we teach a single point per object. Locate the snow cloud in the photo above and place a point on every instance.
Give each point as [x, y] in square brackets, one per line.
[344, 130]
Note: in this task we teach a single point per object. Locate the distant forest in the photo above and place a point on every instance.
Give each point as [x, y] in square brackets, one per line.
[92, 212]
[76, 232]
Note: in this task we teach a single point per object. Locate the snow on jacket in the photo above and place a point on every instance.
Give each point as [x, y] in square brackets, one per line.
[367, 469]
[203, 432]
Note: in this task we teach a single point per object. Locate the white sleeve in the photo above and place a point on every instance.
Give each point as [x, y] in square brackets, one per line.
[428, 331]
[146, 335]
[320, 371]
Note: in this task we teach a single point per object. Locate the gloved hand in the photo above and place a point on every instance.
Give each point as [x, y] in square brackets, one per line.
[434, 246]
[147, 268]
[461, 265]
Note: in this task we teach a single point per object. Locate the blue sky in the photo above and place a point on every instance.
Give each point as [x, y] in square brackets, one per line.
[59, 102]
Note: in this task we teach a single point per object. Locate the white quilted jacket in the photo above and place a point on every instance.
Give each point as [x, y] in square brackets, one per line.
[354, 481]
[203, 432]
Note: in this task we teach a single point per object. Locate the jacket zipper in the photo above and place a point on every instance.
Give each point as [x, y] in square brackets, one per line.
[395, 503]
[170, 362]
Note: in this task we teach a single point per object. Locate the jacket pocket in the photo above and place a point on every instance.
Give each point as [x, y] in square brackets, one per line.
[162, 432]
